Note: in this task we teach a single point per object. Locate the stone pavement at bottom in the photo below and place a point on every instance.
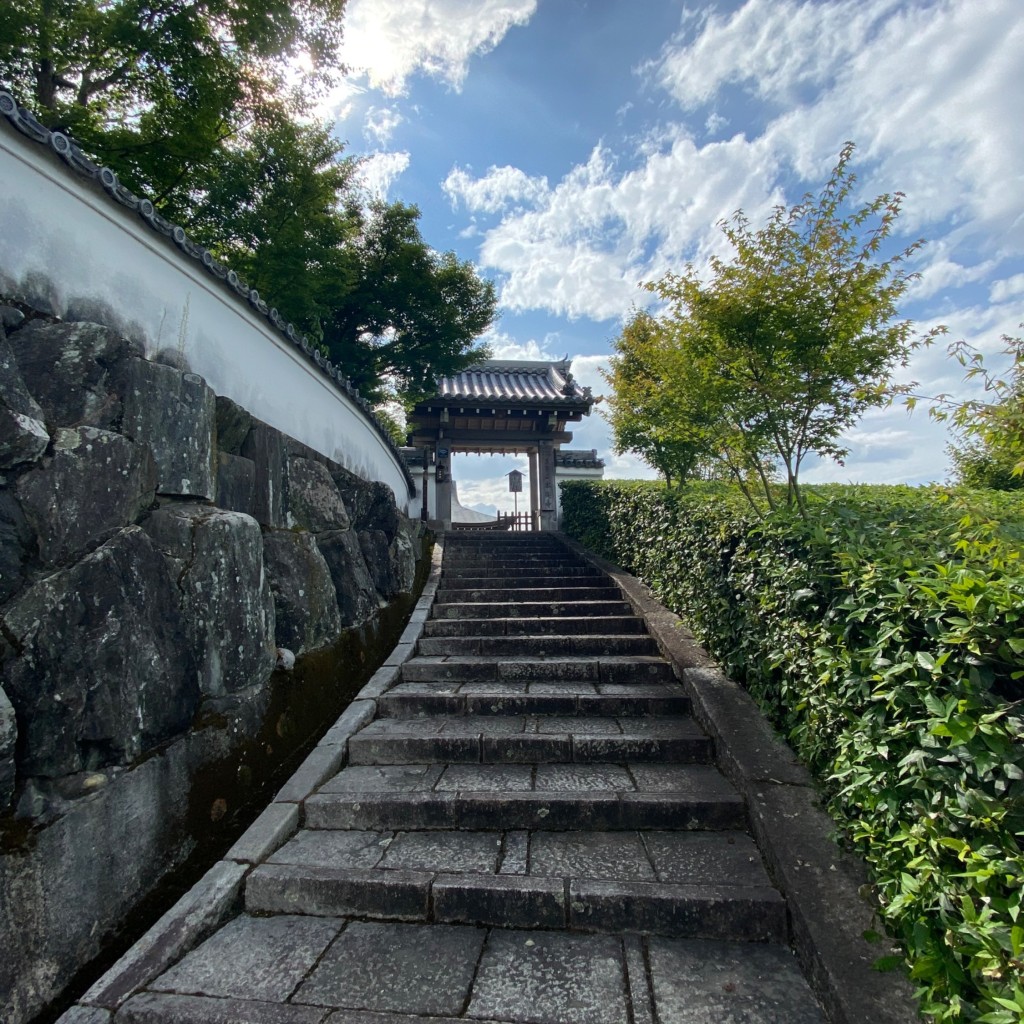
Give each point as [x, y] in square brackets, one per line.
[532, 829]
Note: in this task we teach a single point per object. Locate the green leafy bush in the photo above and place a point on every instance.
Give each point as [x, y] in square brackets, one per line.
[883, 637]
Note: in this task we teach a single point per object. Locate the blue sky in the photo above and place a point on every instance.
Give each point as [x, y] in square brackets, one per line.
[574, 148]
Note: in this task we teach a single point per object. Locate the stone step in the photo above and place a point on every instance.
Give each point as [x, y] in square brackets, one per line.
[536, 626]
[684, 884]
[510, 562]
[409, 700]
[455, 578]
[513, 797]
[608, 670]
[529, 593]
[448, 610]
[290, 969]
[527, 739]
[491, 546]
[536, 646]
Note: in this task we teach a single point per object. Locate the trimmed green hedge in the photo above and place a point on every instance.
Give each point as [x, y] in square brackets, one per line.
[884, 639]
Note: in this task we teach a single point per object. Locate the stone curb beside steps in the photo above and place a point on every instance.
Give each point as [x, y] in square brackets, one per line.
[218, 893]
[820, 881]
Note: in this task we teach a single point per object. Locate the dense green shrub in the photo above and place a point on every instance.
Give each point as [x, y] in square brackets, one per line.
[883, 637]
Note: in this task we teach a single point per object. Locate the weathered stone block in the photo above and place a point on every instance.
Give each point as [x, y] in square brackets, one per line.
[353, 585]
[266, 447]
[233, 424]
[225, 593]
[103, 671]
[305, 603]
[377, 555]
[23, 434]
[10, 318]
[22, 438]
[371, 506]
[236, 483]
[16, 543]
[75, 371]
[174, 413]
[313, 499]
[8, 738]
[94, 483]
[403, 557]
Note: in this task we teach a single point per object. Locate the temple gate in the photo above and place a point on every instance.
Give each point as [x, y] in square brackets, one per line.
[505, 407]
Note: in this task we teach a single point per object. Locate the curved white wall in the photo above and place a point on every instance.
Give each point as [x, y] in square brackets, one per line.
[64, 238]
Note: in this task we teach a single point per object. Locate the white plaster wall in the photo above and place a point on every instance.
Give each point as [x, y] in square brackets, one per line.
[62, 237]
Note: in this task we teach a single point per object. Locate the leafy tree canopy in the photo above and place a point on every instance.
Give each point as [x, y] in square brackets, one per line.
[151, 87]
[989, 450]
[412, 313]
[654, 413]
[778, 350]
[284, 211]
[197, 104]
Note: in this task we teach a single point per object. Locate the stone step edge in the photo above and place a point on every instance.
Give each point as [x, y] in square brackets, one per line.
[821, 883]
[529, 748]
[214, 898]
[500, 811]
[395, 704]
[747, 913]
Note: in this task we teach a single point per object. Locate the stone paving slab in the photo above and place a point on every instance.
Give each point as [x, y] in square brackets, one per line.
[541, 977]
[396, 968]
[253, 958]
[572, 778]
[331, 848]
[393, 973]
[482, 778]
[166, 1008]
[701, 983]
[384, 778]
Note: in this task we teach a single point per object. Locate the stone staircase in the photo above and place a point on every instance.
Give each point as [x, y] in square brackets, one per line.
[531, 829]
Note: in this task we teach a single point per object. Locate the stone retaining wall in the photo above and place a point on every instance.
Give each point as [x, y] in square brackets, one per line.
[159, 547]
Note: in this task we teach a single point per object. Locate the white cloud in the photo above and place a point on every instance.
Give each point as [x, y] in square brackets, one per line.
[496, 190]
[504, 346]
[1007, 288]
[381, 123]
[583, 247]
[772, 47]
[941, 273]
[715, 123]
[942, 132]
[379, 171]
[390, 40]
